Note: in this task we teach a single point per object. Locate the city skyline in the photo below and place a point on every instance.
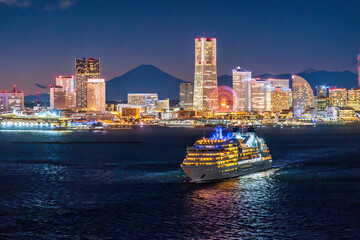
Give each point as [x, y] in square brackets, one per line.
[270, 45]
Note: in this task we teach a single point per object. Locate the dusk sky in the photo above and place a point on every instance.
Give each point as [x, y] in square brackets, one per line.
[40, 39]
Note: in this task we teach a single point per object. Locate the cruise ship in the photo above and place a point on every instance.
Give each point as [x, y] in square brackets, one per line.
[221, 157]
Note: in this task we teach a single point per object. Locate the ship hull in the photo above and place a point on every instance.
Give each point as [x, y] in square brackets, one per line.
[213, 173]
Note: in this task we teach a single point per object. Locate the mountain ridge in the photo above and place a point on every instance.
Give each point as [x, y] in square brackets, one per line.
[150, 79]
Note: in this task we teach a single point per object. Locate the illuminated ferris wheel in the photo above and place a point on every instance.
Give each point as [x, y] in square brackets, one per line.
[223, 99]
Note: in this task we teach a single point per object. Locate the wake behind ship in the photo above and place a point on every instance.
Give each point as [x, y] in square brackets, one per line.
[220, 157]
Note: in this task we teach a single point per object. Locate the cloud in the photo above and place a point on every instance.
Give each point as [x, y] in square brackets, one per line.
[16, 3]
[65, 4]
[42, 4]
[41, 86]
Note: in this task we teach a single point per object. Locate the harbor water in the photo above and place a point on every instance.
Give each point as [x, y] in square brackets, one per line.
[127, 184]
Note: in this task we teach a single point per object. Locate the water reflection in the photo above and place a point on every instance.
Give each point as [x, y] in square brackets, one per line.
[232, 208]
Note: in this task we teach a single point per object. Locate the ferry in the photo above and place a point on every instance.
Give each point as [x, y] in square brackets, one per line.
[221, 157]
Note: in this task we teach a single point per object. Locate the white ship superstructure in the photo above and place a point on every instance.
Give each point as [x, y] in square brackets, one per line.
[229, 156]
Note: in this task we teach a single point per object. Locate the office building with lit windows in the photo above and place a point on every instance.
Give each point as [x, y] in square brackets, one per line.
[260, 95]
[146, 100]
[242, 88]
[303, 96]
[57, 98]
[281, 99]
[10, 101]
[321, 103]
[96, 95]
[186, 95]
[338, 97]
[354, 99]
[85, 69]
[205, 80]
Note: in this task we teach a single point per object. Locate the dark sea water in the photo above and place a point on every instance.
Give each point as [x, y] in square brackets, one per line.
[138, 191]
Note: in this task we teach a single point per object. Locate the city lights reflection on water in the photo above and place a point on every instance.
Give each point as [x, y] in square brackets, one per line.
[223, 209]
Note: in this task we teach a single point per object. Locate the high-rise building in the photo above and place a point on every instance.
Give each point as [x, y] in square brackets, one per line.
[96, 94]
[10, 101]
[57, 98]
[281, 98]
[358, 71]
[186, 95]
[354, 99]
[67, 82]
[84, 70]
[260, 95]
[338, 97]
[242, 88]
[303, 96]
[205, 80]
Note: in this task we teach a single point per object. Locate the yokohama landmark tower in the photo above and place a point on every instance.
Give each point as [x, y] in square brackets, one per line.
[205, 80]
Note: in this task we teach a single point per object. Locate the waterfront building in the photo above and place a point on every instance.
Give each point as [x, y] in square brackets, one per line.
[130, 112]
[57, 98]
[162, 105]
[354, 99]
[147, 100]
[62, 95]
[260, 95]
[345, 114]
[303, 96]
[242, 88]
[338, 97]
[281, 98]
[10, 101]
[321, 103]
[84, 70]
[186, 95]
[96, 94]
[205, 80]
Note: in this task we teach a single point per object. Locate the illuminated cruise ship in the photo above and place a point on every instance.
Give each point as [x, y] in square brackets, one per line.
[220, 157]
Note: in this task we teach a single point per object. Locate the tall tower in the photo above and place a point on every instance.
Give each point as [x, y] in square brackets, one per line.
[242, 88]
[84, 70]
[359, 71]
[205, 80]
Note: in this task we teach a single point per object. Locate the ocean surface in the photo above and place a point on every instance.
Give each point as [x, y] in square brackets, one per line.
[138, 191]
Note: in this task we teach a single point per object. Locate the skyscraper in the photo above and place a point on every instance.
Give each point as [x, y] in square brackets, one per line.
[96, 94]
[57, 98]
[84, 70]
[242, 88]
[186, 95]
[303, 96]
[260, 95]
[205, 80]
